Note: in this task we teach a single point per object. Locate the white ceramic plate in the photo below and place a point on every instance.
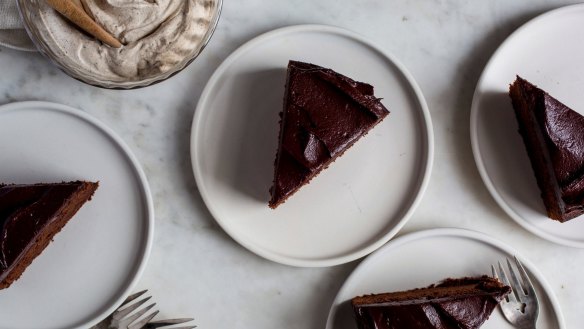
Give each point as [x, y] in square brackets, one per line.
[422, 258]
[350, 209]
[548, 52]
[91, 265]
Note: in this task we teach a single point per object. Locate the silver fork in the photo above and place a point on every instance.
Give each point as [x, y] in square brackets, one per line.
[126, 316]
[520, 307]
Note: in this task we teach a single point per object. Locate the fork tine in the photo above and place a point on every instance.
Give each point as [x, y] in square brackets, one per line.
[155, 326]
[138, 314]
[161, 323]
[527, 285]
[133, 296]
[522, 313]
[503, 277]
[494, 271]
[131, 314]
[144, 322]
[164, 323]
[121, 313]
[515, 285]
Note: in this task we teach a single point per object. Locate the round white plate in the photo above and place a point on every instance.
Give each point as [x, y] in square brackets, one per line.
[548, 52]
[351, 208]
[92, 264]
[422, 258]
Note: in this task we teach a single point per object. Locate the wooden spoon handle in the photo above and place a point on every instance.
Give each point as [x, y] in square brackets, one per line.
[80, 18]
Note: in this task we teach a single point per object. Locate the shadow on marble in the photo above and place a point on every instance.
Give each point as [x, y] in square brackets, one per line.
[253, 123]
[462, 91]
[511, 162]
[274, 85]
[344, 316]
[321, 304]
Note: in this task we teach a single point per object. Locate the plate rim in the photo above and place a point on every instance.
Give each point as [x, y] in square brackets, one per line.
[474, 112]
[425, 119]
[146, 248]
[457, 233]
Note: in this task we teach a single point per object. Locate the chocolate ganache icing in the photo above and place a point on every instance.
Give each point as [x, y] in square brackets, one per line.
[324, 114]
[24, 212]
[455, 304]
[553, 135]
[30, 217]
[565, 132]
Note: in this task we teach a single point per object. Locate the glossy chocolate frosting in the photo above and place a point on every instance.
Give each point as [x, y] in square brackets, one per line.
[565, 139]
[24, 211]
[554, 137]
[324, 114]
[455, 304]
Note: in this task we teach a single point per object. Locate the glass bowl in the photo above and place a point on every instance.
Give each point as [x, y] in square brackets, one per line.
[40, 27]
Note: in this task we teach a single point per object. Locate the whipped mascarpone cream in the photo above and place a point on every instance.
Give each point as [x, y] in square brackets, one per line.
[158, 36]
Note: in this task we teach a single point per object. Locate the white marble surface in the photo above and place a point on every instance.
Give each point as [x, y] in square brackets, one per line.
[195, 269]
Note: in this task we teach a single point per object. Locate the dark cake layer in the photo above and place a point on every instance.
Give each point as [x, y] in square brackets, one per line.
[30, 216]
[553, 135]
[464, 303]
[324, 114]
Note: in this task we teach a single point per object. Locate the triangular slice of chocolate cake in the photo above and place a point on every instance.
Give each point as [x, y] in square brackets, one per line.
[324, 114]
[553, 135]
[464, 303]
[30, 216]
